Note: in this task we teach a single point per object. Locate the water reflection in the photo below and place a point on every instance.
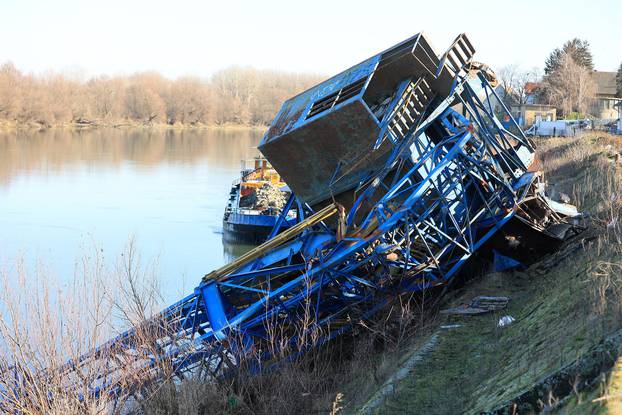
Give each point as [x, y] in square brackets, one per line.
[233, 251]
[62, 192]
[55, 150]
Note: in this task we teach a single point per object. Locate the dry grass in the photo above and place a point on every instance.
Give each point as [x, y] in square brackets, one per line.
[607, 286]
[43, 325]
[589, 168]
[334, 378]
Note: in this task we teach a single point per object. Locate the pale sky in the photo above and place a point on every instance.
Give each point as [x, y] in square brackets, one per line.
[186, 37]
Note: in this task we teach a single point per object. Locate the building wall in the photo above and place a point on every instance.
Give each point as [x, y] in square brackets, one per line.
[526, 115]
[604, 108]
[531, 115]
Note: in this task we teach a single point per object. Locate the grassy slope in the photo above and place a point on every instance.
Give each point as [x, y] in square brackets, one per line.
[560, 312]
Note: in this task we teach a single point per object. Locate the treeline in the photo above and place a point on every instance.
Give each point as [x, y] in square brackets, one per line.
[237, 95]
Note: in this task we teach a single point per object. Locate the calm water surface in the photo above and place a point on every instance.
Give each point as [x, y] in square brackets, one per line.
[63, 193]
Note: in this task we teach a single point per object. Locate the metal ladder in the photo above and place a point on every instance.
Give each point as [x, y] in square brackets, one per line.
[457, 56]
[409, 109]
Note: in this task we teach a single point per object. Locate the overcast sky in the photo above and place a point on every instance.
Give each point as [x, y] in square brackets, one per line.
[185, 37]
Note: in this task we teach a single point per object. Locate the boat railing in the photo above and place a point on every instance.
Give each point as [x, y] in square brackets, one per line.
[247, 211]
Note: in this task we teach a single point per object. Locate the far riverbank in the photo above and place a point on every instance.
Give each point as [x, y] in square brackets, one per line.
[12, 125]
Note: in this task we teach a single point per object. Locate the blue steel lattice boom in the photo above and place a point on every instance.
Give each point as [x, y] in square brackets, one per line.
[401, 171]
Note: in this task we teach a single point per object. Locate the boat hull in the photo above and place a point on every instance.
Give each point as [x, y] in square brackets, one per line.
[248, 229]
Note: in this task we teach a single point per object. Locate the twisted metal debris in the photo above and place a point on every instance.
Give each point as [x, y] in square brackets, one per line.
[402, 173]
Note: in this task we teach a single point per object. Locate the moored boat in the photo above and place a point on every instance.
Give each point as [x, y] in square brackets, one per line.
[255, 203]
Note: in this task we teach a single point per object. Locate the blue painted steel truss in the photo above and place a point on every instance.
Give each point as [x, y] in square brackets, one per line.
[452, 181]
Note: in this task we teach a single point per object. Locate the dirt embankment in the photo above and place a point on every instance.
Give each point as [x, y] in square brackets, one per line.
[561, 353]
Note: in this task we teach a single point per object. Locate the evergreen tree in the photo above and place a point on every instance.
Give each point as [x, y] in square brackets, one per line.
[619, 82]
[577, 48]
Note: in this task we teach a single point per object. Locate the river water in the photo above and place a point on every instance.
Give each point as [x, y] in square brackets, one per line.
[64, 194]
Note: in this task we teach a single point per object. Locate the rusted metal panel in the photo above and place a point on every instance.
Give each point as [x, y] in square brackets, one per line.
[322, 133]
[294, 110]
[308, 156]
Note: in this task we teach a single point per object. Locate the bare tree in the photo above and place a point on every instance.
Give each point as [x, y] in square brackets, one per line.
[105, 97]
[570, 87]
[514, 81]
[524, 79]
[10, 93]
[143, 98]
[187, 101]
[508, 75]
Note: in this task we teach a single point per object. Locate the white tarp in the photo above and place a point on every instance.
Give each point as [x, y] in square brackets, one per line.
[560, 128]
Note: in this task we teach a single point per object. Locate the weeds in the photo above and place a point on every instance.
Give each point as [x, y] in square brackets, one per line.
[606, 280]
[44, 325]
[334, 378]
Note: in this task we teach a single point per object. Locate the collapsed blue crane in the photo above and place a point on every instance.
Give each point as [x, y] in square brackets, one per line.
[402, 173]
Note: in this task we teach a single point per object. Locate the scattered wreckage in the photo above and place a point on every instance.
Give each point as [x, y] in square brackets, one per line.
[402, 176]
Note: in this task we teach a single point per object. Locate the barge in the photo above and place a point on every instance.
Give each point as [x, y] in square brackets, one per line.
[255, 203]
